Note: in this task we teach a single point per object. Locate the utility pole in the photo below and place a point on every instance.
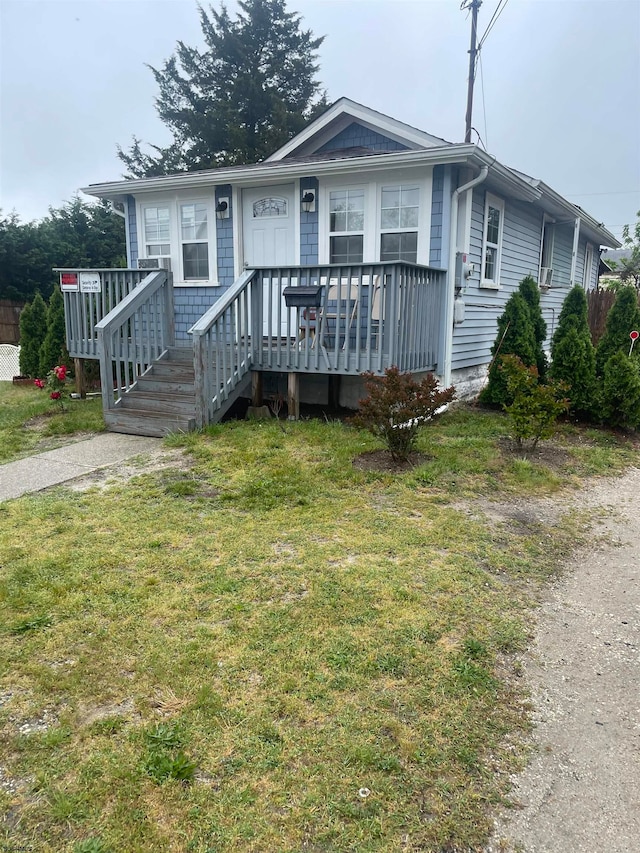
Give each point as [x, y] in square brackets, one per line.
[474, 5]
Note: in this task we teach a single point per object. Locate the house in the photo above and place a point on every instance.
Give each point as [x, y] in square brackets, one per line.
[360, 244]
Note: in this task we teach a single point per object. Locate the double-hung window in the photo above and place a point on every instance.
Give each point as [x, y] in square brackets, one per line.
[157, 232]
[399, 212]
[195, 241]
[492, 242]
[346, 226]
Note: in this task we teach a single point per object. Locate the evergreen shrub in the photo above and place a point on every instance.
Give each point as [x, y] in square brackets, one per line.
[33, 329]
[516, 336]
[573, 355]
[529, 289]
[620, 406]
[622, 319]
[53, 351]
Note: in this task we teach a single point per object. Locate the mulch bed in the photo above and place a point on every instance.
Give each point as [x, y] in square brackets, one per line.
[382, 460]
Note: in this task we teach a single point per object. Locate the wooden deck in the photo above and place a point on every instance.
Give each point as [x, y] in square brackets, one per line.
[363, 318]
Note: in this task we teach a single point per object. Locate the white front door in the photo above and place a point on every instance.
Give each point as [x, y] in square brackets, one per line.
[268, 225]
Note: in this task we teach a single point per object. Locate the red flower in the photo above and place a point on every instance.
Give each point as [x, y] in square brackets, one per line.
[55, 395]
[60, 372]
[39, 383]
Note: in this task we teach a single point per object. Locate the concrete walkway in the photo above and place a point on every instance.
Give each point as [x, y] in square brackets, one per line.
[66, 463]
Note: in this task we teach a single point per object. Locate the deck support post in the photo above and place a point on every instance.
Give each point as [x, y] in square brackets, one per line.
[256, 388]
[293, 396]
[78, 369]
[334, 390]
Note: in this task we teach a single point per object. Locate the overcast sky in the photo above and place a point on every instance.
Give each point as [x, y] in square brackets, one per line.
[558, 95]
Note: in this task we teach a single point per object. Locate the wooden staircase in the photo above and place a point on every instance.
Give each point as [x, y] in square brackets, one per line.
[163, 399]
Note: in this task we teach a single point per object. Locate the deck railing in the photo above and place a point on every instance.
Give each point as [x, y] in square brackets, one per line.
[370, 316]
[135, 333]
[222, 347]
[82, 311]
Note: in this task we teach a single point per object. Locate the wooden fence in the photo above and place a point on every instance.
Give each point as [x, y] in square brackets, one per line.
[599, 303]
[10, 321]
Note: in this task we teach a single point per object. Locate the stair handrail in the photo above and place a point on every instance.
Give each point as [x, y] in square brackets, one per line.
[132, 357]
[206, 321]
[221, 362]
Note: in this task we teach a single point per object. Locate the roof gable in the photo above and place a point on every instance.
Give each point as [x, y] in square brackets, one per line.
[347, 124]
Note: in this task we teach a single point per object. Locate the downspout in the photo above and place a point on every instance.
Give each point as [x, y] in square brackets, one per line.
[127, 234]
[574, 255]
[451, 274]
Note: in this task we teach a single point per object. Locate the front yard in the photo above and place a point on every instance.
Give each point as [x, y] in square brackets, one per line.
[264, 648]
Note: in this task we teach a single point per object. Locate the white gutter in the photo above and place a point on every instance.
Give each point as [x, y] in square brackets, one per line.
[574, 252]
[451, 274]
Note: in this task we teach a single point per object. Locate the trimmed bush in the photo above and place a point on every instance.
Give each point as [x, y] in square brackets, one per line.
[621, 392]
[33, 329]
[516, 336]
[573, 356]
[397, 406]
[623, 318]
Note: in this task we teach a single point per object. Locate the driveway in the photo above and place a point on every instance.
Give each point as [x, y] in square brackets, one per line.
[581, 790]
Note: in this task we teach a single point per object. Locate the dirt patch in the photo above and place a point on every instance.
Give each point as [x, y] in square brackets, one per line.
[158, 460]
[383, 461]
[547, 453]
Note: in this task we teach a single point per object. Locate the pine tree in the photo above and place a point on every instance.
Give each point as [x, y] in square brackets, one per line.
[572, 354]
[516, 336]
[251, 90]
[622, 319]
[33, 328]
[53, 351]
[528, 287]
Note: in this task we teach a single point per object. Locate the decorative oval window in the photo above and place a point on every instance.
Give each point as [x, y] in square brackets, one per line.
[272, 206]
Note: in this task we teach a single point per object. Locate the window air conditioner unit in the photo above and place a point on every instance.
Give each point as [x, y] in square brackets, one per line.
[546, 274]
[154, 264]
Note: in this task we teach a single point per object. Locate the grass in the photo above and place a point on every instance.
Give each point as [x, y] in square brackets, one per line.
[274, 651]
[30, 422]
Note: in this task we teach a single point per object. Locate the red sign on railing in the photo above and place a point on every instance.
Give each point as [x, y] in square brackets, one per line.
[68, 281]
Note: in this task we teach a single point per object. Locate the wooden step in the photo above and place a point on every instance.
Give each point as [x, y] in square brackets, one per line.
[136, 422]
[166, 384]
[179, 355]
[155, 401]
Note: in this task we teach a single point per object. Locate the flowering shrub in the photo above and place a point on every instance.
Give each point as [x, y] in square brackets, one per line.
[55, 383]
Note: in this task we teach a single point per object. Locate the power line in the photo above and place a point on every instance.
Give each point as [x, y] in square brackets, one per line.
[502, 5]
[614, 192]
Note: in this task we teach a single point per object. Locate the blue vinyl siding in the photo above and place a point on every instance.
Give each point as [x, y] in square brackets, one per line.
[309, 225]
[358, 136]
[224, 241]
[436, 255]
[522, 233]
[190, 303]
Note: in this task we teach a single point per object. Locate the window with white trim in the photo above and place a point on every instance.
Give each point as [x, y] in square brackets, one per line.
[346, 226]
[399, 213]
[195, 241]
[157, 232]
[492, 241]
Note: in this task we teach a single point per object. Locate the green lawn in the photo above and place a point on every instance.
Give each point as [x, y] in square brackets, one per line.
[30, 422]
[270, 650]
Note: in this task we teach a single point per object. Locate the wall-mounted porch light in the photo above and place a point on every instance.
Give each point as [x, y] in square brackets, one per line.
[308, 201]
[222, 208]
